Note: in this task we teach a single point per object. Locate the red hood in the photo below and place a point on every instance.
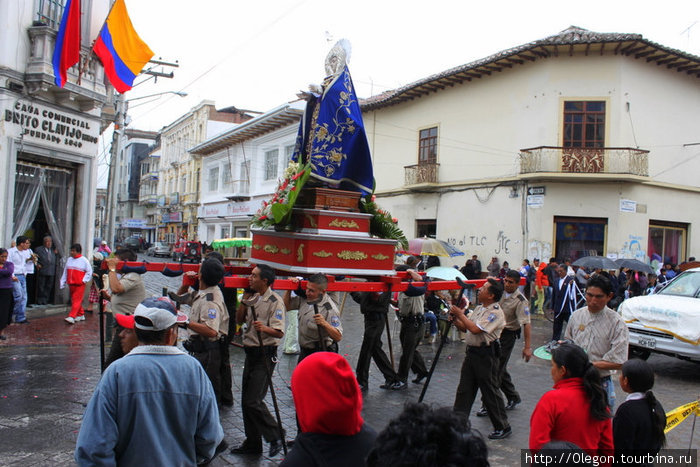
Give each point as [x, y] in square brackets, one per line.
[326, 395]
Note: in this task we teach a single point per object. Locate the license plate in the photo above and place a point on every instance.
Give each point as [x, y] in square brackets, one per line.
[648, 342]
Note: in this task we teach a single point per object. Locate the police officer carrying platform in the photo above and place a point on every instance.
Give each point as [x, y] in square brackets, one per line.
[208, 325]
[517, 313]
[484, 324]
[318, 331]
[263, 312]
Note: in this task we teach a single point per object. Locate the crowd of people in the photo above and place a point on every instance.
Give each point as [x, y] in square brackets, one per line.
[178, 416]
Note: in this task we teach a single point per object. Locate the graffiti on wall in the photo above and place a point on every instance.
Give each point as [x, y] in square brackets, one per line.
[633, 249]
[473, 240]
[539, 249]
[502, 242]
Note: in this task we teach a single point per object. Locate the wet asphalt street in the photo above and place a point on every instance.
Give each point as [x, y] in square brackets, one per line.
[48, 370]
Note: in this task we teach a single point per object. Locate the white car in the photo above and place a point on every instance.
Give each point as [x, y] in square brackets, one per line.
[667, 322]
[159, 249]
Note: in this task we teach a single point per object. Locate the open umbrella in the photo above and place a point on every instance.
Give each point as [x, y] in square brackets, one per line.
[425, 246]
[634, 265]
[596, 262]
[444, 273]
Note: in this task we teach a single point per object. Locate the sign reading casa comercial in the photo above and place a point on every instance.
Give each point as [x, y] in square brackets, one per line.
[44, 124]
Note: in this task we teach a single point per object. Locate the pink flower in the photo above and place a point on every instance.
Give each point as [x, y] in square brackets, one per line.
[262, 218]
[298, 175]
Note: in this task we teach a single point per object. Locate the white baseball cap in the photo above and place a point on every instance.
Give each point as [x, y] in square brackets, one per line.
[155, 314]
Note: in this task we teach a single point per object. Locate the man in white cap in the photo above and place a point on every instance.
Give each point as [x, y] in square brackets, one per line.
[153, 407]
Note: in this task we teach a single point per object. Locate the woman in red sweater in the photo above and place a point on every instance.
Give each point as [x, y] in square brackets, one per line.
[577, 409]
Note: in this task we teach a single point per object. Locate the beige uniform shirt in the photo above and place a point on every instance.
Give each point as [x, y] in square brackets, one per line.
[308, 329]
[602, 335]
[516, 310]
[269, 309]
[208, 308]
[134, 293]
[489, 319]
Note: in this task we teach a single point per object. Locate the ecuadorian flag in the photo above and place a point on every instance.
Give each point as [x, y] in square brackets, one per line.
[121, 50]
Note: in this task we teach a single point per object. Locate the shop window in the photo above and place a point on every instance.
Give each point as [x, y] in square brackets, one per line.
[577, 237]
[427, 146]
[667, 241]
[426, 228]
[584, 124]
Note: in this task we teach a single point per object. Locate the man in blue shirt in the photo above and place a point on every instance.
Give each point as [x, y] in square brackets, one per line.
[156, 406]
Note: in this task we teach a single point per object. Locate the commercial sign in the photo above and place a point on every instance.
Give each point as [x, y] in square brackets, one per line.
[229, 209]
[41, 123]
[134, 223]
[172, 217]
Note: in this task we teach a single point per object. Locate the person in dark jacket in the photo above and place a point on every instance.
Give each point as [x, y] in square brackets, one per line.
[374, 307]
[329, 408]
[638, 426]
[563, 300]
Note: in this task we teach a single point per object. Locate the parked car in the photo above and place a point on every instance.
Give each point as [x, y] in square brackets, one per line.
[666, 322]
[187, 251]
[133, 242]
[159, 249]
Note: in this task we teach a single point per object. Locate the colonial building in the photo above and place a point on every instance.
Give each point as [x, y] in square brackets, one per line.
[575, 144]
[48, 135]
[241, 168]
[130, 216]
[148, 191]
[178, 185]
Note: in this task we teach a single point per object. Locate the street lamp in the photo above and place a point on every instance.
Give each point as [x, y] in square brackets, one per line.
[122, 106]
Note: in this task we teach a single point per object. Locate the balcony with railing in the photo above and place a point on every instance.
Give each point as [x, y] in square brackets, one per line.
[607, 161]
[421, 174]
[147, 200]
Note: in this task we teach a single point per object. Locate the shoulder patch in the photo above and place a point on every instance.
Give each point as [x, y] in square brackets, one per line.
[273, 299]
[527, 310]
[335, 321]
[328, 306]
[491, 317]
[521, 297]
[210, 297]
[278, 314]
[211, 312]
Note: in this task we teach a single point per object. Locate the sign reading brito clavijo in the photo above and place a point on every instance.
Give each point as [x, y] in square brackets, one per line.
[43, 123]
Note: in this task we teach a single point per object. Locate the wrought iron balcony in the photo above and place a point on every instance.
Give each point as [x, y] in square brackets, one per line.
[554, 159]
[421, 173]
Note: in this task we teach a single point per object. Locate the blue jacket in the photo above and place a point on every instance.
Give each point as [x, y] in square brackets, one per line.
[154, 407]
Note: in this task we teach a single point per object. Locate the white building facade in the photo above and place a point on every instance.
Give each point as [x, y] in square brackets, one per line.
[49, 135]
[581, 143]
[241, 168]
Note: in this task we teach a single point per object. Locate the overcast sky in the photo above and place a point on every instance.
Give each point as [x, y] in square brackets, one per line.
[257, 54]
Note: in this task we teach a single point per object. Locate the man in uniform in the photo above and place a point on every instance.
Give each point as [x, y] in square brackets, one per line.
[317, 331]
[517, 314]
[263, 311]
[412, 329]
[484, 324]
[127, 291]
[601, 332]
[208, 324]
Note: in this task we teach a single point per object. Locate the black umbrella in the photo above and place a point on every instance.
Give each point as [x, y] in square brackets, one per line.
[596, 262]
[635, 265]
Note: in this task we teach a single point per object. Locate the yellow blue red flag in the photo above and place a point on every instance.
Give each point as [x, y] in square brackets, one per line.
[121, 50]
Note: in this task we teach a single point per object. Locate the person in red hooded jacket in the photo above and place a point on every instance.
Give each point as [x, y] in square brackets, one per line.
[329, 405]
[541, 284]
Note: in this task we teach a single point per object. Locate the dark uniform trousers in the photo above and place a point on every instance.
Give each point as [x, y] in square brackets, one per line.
[372, 349]
[115, 351]
[210, 355]
[559, 324]
[257, 420]
[478, 373]
[306, 351]
[503, 379]
[412, 330]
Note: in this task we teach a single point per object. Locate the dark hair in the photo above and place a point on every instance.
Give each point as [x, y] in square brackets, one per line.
[513, 274]
[3, 250]
[21, 239]
[75, 246]
[152, 337]
[320, 280]
[640, 377]
[266, 273]
[215, 255]
[412, 260]
[428, 437]
[126, 254]
[496, 288]
[602, 282]
[526, 261]
[577, 365]
[211, 271]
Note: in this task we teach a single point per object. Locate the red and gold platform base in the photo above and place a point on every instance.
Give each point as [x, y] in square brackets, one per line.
[306, 253]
